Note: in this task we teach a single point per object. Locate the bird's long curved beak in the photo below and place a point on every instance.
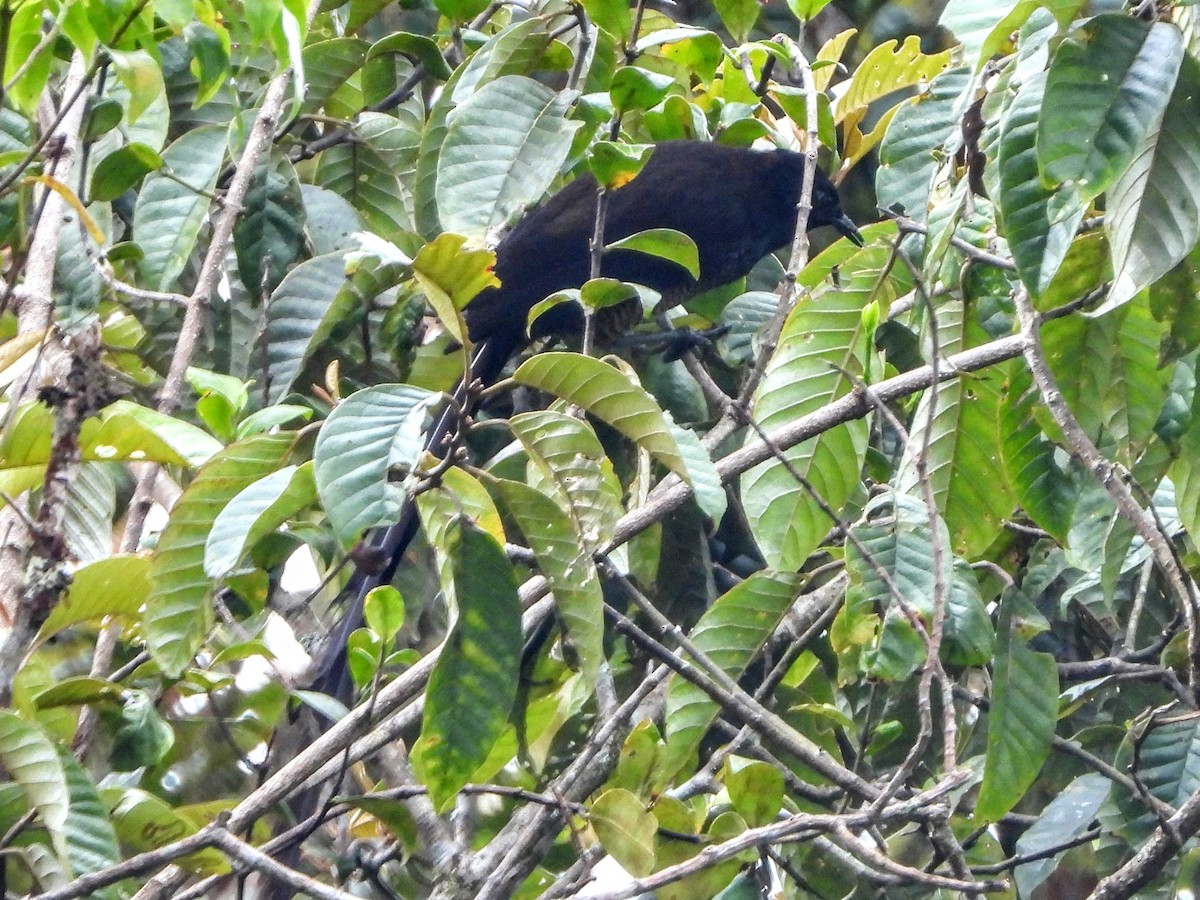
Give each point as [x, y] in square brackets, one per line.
[845, 227]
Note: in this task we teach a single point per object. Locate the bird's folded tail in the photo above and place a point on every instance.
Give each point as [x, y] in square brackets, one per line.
[386, 546]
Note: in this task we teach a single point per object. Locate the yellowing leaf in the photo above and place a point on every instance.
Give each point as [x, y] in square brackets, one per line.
[451, 275]
[832, 51]
[885, 70]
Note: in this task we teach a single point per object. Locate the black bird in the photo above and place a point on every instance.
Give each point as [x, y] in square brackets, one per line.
[737, 204]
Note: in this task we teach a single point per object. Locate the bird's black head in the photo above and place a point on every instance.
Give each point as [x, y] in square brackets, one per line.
[827, 209]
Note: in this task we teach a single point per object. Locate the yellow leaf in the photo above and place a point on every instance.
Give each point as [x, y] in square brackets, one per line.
[833, 50]
[886, 70]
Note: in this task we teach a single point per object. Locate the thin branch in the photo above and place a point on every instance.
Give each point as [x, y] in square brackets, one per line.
[509, 858]
[769, 335]
[976, 254]
[196, 315]
[1112, 479]
[735, 702]
[801, 827]
[258, 861]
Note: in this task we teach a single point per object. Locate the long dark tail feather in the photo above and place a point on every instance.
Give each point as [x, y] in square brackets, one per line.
[389, 545]
[333, 675]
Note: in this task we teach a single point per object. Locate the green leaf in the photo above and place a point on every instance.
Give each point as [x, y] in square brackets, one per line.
[1185, 473]
[383, 611]
[269, 235]
[1043, 486]
[1171, 300]
[971, 21]
[170, 211]
[460, 10]
[271, 417]
[708, 489]
[911, 147]
[755, 789]
[25, 29]
[91, 509]
[640, 768]
[804, 10]
[299, 315]
[742, 887]
[474, 683]
[739, 16]
[567, 460]
[144, 822]
[504, 146]
[1167, 763]
[30, 759]
[985, 28]
[366, 435]
[329, 66]
[626, 830]
[1085, 268]
[599, 293]
[79, 691]
[1023, 714]
[256, 512]
[417, 47]
[821, 347]
[458, 495]
[665, 243]
[960, 447]
[636, 88]
[210, 51]
[1153, 217]
[142, 76]
[361, 174]
[115, 586]
[696, 50]
[91, 838]
[364, 651]
[325, 706]
[1067, 816]
[514, 50]
[143, 738]
[122, 431]
[330, 221]
[564, 558]
[970, 636]
[1039, 223]
[611, 15]
[233, 390]
[615, 164]
[607, 393]
[122, 169]
[1108, 371]
[730, 633]
[896, 535]
[1108, 84]
[178, 613]
[893, 539]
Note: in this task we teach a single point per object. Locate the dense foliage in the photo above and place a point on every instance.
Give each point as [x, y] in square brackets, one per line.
[884, 588]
